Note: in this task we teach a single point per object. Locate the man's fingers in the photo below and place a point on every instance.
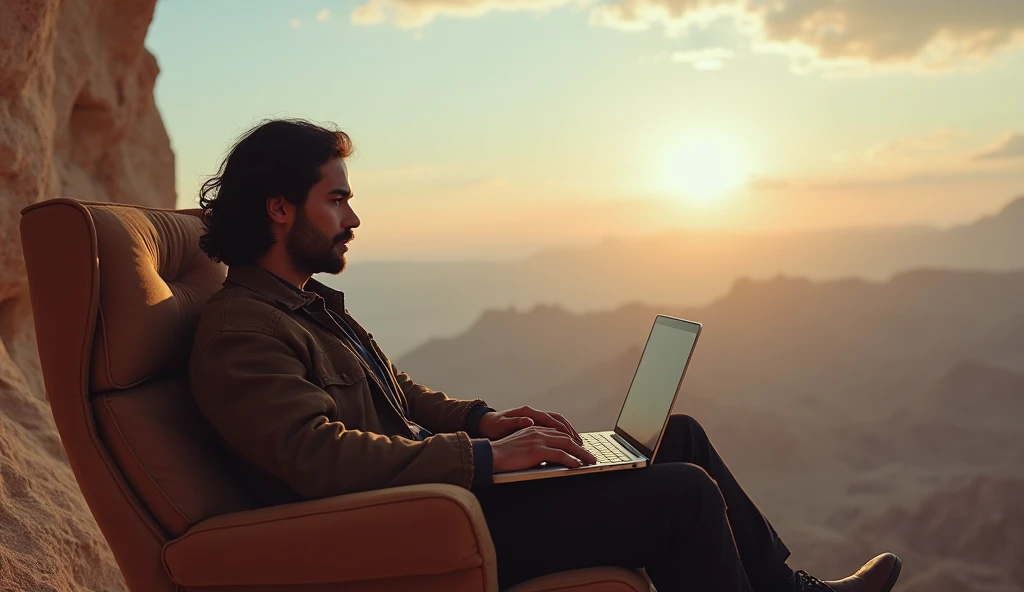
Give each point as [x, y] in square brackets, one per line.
[558, 439]
[550, 432]
[543, 419]
[567, 428]
[516, 422]
[564, 427]
[561, 418]
[552, 420]
[560, 456]
[585, 455]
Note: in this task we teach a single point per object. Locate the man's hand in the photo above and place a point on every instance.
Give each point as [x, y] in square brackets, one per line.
[496, 425]
[534, 445]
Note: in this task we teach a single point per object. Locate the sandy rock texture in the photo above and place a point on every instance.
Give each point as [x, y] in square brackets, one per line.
[77, 119]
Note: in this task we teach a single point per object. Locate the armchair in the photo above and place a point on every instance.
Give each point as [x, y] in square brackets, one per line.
[116, 294]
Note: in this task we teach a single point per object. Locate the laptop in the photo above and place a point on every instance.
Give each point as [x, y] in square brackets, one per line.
[645, 411]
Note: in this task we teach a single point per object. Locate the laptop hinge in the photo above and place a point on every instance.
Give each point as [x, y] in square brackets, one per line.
[628, 446]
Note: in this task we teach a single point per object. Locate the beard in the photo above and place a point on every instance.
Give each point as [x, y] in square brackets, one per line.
[312, 251]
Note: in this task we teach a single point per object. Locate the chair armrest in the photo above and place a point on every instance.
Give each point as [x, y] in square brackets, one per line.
[413, 530]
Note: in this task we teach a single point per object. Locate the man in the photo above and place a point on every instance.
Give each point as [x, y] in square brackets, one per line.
[312, 407]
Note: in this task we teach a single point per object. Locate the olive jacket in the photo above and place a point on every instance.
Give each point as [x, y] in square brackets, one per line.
[281, 383]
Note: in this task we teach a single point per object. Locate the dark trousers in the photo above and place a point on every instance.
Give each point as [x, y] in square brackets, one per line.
[684, 519]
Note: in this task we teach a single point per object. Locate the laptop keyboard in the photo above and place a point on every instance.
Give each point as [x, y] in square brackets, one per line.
[604, 448]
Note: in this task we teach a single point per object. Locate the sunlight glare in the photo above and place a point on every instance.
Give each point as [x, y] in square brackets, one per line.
[704, 166]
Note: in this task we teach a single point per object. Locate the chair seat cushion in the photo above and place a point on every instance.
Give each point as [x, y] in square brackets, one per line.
[355, 538]
[592, 579]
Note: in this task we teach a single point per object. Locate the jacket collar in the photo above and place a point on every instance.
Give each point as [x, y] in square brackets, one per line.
[263, 282]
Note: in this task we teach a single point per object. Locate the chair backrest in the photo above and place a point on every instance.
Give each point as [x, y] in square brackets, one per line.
[116, 295]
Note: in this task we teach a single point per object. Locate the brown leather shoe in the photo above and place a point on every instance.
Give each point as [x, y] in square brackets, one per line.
[878, 575]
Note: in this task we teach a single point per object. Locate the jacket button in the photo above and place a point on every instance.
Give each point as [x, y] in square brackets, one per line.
[344, 377]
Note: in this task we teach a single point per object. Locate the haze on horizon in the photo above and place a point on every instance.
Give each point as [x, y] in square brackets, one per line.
[490, 129]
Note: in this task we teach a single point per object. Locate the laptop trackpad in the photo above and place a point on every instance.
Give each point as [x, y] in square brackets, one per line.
[545, 467]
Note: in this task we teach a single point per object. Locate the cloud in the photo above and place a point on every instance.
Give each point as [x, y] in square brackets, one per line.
[640, 15]
[413, 14]
[711, 58]
[933, 178]
[1010, 146]
[930, 34]
[864, 185]
[901, 148]
[926, 34]
[323, 14]
[295, 23]
[849, 37]
[907, 149]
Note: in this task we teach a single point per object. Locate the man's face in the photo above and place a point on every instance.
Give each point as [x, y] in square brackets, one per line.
[317, 239]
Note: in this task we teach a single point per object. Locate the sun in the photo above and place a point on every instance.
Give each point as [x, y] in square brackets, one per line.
[702, 167]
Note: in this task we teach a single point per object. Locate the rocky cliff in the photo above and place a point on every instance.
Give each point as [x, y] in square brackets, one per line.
[77, 119]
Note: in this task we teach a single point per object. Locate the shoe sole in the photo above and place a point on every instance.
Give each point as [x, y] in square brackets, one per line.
[893, 576]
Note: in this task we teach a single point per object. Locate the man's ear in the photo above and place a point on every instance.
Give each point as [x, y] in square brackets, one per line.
[279, 209]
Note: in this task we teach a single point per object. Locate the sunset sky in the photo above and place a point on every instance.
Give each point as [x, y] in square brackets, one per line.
[495, 128]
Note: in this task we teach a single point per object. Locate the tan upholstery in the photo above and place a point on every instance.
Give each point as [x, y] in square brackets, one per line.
[116, 294]
[595, 579]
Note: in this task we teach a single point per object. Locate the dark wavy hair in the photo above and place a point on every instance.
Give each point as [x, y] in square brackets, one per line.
[276, 158]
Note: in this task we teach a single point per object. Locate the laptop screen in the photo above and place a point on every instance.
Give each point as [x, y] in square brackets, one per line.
[657, 378]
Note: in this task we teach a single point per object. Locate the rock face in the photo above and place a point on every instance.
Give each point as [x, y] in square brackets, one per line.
[77, 119]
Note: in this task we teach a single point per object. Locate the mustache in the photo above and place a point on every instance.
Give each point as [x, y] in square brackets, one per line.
[347, 236]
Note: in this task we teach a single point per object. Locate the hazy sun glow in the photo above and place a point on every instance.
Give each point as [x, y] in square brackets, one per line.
[704, 166]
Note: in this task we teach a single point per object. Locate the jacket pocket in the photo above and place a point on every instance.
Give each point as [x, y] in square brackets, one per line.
[326, 375]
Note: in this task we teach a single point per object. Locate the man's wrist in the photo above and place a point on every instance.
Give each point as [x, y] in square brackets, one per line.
[483, 463]
[473, 420]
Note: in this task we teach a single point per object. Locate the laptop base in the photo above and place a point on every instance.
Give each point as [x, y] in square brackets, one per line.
[548, 471]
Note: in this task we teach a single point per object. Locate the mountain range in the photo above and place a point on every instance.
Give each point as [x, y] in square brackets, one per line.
[836, 402]
[865, 385]
[404, 304]
[965, 536]
[833, 345]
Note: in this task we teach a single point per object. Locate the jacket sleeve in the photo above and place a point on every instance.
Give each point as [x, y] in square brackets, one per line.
[252, 388]
[432, 409]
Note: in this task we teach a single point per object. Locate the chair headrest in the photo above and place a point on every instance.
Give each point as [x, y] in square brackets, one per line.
[154, 281]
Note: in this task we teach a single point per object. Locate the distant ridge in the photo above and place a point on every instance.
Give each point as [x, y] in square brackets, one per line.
[881, 337]
[974, 393]
[407, 303]
[980, 520]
